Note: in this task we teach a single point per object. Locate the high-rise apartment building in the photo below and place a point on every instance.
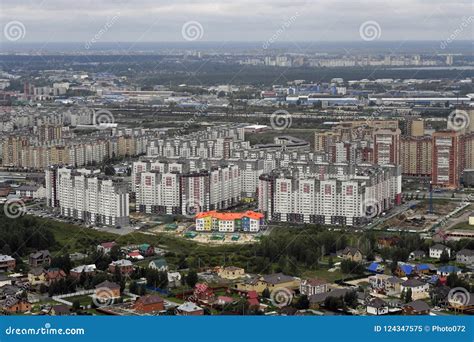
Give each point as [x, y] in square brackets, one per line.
[87, 195]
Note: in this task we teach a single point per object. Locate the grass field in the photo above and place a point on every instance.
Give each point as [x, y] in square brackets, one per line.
[462, 226]
[325, 274]
[83, 299]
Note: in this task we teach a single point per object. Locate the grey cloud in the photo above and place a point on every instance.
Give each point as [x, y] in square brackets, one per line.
[234, 20]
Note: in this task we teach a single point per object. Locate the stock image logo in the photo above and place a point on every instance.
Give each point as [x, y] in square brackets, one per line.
[192, 207]
[371, 208]
[102, 118]
[458, 120]
[459, 296]
[14, 30]
[280, 120]
[370, 30]
[192, 30]
[103, 296]
[281, 297]
[14, 208]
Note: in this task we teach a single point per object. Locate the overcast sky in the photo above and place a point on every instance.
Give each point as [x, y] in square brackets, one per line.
[236, 20]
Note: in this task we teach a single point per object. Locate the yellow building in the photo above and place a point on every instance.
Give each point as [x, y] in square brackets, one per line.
[231, 272]
[351, 253]
[204, 223]
[37, 276]
[270, 281]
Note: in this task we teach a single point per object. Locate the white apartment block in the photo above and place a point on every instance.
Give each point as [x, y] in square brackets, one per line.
[330, 195]
[86, 195]
[173, 188]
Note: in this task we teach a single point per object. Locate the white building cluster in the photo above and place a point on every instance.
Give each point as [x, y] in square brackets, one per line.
[215, 142]
[177, 188]
[88, 196]
[182, 175]
[336, 194]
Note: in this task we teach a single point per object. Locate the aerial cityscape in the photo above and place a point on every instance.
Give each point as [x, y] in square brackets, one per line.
[204, 172]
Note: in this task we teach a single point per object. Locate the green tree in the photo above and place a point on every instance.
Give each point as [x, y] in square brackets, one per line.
[330, 262]
[302, 303]
[115, 253]
[444, 257]
[266, 293]
[133, 287]
[192, 278]
[109, 170]
[76, 306]
[350, 298]
[333, 303]
[408, 296]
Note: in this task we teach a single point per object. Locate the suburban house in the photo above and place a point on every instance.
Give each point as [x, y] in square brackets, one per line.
[54, 274]
[248, 221]
[31, 191]
[107, 290]
[224, 300]
[278, 280]
[376, 306]
[423, 268]
[204, 293]
[419, 289]
[88, 270]
[40, 258]
[135, 255]
[105, 247]
[146, 249]
[316, 300]
[159, 265]
[417, 255]
[189, 309]
[404, 270]
[351, 253]
[386, 284]
[60, 310]
[37, 276]
[444, 271]
[231, 272]
[174, 279]
[459, 304]
[7, 291]
[270, 281]
[254, 283]
[417, 307]
[376, 267]
[465, 256]
[387, 241]
[149, 303]
[438, 249]
[125, 267]
[7, 263]
[4, 280]
[15, 305]
[313, 286]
